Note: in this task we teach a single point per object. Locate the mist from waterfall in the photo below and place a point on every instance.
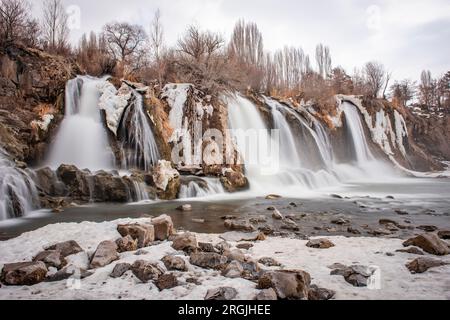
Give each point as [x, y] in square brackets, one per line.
[82, 140]
[18, 193]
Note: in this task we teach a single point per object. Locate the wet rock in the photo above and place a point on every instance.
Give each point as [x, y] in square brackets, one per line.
[273, 197]
[422, 264]
[239, 225]
[291, 225]
[444, 234]
[353, 231]
[51, 258]
[221, 294]
[340, 221]
[75, 181]
[126, 244]
[23, 273]
[67, 248]
[163, 227]
[428, 228]
[185, 208]
[185, 242]
[356, 275]
[412, 250]
[258, 219]
[379, 232]
[174, 263]
[319, 294]
[233, 270]
[336, 196]
[143, 233]
[120, 269]
[267, 295]
[109, 188]
[401, 212]
[277, 215]
[166, 281]
[390, 198]
[293, 204]
[167, 180]
[105, 254]
[146, 271]
[430, 243]
[208, 260]
[269, 262]
[228, 217]
[207, 247]
[320, 244]
[266, 229]
[244, 246]
[288, 284]
[271, 208]
[234, 181]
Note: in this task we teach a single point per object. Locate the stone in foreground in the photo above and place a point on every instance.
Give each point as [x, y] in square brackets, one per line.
[174, 263]
[267, 295]
[320, 244]
[146, 271]
[51, 258]
[422, 264]
[166, 281]
[67, 248]
[105, 254]
[208, 260]
[24, 273]
[120, 269]
[320, 294]
[143, 233]
[185, 242]
[221, 294]
[288, 284]
[430, 243]
[163, 227]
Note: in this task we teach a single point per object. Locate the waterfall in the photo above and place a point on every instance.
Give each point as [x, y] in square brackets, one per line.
[138, 141]
[200, 188]
[18, 193]
[361, 150]
[82, 140]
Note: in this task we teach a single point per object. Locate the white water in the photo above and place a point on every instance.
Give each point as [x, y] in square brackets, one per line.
[82, 140]
[205, 187]
[16, 187]
[139, 145]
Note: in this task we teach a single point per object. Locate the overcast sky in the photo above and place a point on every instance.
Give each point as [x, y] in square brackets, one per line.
[406, 35]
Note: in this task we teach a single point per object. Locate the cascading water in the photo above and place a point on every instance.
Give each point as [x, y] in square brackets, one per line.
[82, 140]
[18, 193]
[138, 141]
[201, 188]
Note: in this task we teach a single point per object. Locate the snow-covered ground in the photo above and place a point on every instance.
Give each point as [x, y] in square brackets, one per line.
[396, 282]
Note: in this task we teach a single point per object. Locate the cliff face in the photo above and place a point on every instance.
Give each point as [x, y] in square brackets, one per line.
[31, 99]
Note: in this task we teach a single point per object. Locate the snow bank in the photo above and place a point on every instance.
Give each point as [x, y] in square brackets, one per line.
[396, 281]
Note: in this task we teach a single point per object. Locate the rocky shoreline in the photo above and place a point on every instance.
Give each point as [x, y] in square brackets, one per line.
[148, 259]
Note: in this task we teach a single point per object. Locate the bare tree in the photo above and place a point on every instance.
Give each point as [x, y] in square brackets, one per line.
[375, 75]
[199, 45]
[428, 89]
[403, 92]
[54, 26]
[444, 92]
[16, 24]
[323, 59]
[157, 44]
[247, 43]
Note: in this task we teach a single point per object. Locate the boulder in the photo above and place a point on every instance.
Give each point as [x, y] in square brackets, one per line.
[288, 284]
[185, 242]
[430, 243]
[269, 262]
[320, 244]
[206, 247]
[105, 254]
[277, 215]
[51, 258]
[67, 248]
[208, 260]
[174, 263]
[239, 225]
[109, 188]
[267, 295]
[422, 264]
[163, 227]
[444, 234]
[143, 233]
[23, 273]
[319, 294]
[289, 224]
[126, 244]
[166, 281]
[75, 181]
[185, 208]
[234, 181]
[167, 180]
[120, 269]
[427, 228]
[356, 275]
[233, 270]
[146, 271]
[221, 294]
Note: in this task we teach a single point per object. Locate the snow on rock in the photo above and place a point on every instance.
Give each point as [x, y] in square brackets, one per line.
[392, 279]
[163, 174]
[44, 123]
[114, 102]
